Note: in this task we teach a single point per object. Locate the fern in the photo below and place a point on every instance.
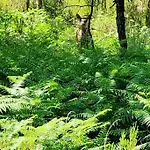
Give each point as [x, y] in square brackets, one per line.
[8, 103]
[144, 101]
[57, 131]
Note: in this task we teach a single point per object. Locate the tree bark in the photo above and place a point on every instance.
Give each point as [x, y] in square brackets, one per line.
[120, 21]
[89, 25]
[148, 15]
[27, 4]
[39, 4]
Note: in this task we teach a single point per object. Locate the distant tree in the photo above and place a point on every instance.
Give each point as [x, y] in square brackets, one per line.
[89, 25]
[120, 21]
[39, 4]
[103, 4]
[27, 4]
[148, 15]
[53, 7]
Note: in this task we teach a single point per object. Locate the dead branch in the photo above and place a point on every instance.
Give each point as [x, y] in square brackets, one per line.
[79, 6]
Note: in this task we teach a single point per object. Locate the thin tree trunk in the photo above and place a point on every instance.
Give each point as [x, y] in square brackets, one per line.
[89, 25]
[103, 4]
[120, 21]
[39, 4]
[148, 15]
[27, 4]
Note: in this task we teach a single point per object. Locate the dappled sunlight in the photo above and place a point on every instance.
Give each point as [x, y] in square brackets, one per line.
[56, 93]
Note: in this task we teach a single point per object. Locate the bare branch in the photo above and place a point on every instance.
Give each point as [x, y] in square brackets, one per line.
[114, 2]
[78, 6]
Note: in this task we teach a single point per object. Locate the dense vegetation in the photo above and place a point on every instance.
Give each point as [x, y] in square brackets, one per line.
[56, 95]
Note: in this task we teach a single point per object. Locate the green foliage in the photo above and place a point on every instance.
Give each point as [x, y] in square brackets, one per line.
[54, 8]
[55, 134]
[126, 143]
[8, 104]
[131, 143]
[59, 96]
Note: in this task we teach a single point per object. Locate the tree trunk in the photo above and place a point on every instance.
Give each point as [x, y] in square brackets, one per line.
[103, 4]
[89, 25]
[39, 4]
[148, 15]
[120, 21]
[27, 4]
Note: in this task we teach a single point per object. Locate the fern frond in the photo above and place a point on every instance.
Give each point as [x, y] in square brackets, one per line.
[4, 90]
[141, 116]
[125, 116]
[144, 146]
[8, 103]
[147, 121]
[19, 80]
[146, 138]
[144, 101]
[84, 115]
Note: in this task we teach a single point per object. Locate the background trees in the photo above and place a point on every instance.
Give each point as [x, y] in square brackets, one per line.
[55, 95]
[39, 4]
[148, 14]
[27, 4]
[120, 20]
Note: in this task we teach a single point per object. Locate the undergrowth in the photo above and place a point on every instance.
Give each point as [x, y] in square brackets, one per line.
[55, 95]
